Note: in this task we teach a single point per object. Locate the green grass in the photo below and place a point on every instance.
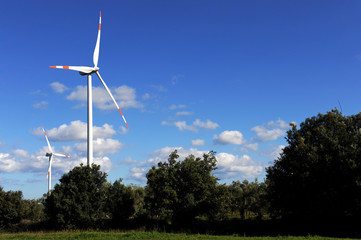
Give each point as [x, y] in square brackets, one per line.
[137, 235]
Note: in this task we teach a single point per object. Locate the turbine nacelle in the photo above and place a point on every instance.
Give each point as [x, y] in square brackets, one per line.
[89, 73]
[48, 154]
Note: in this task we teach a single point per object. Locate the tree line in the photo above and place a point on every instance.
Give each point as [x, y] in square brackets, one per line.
[176, 191]
[316, 178]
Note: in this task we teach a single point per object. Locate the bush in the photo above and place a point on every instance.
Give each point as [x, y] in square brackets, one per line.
[10, 207]
[79, 200]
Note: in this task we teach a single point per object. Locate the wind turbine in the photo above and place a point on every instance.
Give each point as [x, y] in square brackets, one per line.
[88, 71]
[50, 155]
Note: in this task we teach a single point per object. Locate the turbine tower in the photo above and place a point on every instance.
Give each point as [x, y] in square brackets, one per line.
[50, 155]
[88, 71]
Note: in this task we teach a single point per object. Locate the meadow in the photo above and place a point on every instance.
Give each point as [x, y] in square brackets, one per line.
[141, 235]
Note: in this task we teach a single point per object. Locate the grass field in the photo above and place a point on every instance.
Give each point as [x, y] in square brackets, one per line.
[138, 235]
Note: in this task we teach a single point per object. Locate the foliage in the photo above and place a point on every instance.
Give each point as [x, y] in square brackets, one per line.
[79, 200]
[10, 207]
[317, 176]
[248, 198]
[120, 201]
[33, 209]
[180, 190]
[124, 202]
[221, 202]
[139, 204]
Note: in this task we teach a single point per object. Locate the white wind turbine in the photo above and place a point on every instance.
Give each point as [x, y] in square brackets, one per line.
[50, 155]
[88, 71]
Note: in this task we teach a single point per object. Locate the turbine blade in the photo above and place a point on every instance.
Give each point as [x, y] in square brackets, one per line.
[81, 69]
[61, 155]
[47, 140]
[96, 50]
[110, 94]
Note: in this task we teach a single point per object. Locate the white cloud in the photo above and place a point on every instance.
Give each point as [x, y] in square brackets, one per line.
[233, 166]
[138, 174]
[63, 165]
[207, 125]
[250, 146]
[198, 142]
[166, 123]
[124, 95]
[75, 131]
[8, 163]
[58, 87]
[39, 92]
[275, 153]
[159, 88]
[162, 155]
[146, 96]
[270, 131]
[182, 125]
[229, 166]
[123, 130]
[229, 137]
[41, 105]
[20, 160]
[197, 124]
[129, 160]
[184, 113]
[21, 153]
[180, 106]
[101, 147]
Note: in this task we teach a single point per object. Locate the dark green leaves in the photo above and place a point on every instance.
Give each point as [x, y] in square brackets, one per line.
[181, 189]
[317, 174]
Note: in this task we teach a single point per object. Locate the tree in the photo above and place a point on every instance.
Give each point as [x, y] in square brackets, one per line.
[248, 198]
[121, 201]
[33, 210]
[161, 192]
[139, 204]
[10, 207]
[318, 175]
[181, 190]
[79, 200]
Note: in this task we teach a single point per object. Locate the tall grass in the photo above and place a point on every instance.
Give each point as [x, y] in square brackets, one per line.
[138, 235]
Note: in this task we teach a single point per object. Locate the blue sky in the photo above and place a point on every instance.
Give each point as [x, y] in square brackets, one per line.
[196, 76]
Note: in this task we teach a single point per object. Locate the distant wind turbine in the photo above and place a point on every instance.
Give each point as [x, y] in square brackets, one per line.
[50, 155]
[88, 71]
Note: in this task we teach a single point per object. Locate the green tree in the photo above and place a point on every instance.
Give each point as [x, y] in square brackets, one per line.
[121, 201]
[33, 209]
[10, 207]
[79, 201]
[179, 190]
[221, 201]
[248, 198]
[161, 193]
[139, 204]
[318, 175]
